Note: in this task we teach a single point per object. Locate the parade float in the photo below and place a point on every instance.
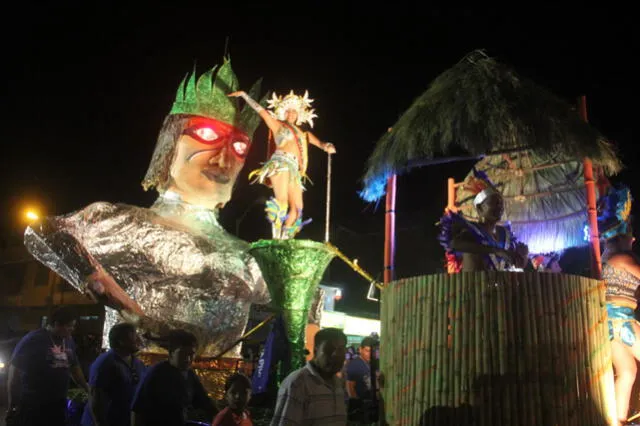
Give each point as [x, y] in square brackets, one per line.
[496, 347]
[172, 265]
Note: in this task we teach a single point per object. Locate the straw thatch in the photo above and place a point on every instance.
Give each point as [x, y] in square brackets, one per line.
[544, 196]
[483, 107]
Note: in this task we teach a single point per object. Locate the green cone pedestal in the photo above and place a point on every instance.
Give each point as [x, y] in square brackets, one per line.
[292, 270]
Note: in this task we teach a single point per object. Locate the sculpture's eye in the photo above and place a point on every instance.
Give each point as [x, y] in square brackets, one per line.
[206, 134]
[240, 148]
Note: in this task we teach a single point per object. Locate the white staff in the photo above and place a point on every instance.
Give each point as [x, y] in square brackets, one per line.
[328, 211]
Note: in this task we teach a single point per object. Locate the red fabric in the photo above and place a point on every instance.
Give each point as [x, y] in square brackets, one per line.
[227, 417]
[475, 185]
[454, 264]
[537, 261]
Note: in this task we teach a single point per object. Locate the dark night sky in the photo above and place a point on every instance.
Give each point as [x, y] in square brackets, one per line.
[86, 88]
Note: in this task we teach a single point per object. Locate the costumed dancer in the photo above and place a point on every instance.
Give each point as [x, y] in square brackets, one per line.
[621, 272]
[171, 266]
[285, 171]
[483, 245]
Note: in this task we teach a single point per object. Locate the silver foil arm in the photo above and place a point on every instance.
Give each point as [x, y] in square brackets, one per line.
[56, 248]
[53, 243]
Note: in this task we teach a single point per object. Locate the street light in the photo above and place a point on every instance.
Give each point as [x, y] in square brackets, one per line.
[31, 215]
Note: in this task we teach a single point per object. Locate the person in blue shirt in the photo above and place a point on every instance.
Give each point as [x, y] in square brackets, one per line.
[358, 379]
[359, 372]
[113, 379]
[39, 373]
[170, 389]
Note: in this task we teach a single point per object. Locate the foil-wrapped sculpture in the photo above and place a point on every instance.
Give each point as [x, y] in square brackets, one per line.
[171, 265]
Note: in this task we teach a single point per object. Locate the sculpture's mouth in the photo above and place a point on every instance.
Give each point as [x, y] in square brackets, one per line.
[217, 175]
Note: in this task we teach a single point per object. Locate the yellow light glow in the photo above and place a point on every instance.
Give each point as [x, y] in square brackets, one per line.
[32, 215]
[1, 365]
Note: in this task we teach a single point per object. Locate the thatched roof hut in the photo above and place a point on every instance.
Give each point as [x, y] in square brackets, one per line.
[483, 107]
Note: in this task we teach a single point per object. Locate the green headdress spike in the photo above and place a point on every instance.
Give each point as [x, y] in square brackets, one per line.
[207, 97]
[205, 85]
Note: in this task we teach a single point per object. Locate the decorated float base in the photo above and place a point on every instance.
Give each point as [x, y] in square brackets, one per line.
[292, 270]
[213, 373]
[496, 349]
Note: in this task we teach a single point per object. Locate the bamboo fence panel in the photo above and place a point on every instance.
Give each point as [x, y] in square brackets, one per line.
[497, 348]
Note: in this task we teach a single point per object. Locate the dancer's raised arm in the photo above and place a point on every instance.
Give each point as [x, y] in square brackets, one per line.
[272, 123]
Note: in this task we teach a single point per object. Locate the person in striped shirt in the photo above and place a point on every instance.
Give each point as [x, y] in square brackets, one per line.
[314, 395]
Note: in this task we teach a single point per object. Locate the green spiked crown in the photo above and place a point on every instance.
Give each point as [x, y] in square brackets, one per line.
[207, 97]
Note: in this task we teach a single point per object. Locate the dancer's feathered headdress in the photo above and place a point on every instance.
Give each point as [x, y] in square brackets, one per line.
[481, 186]
[301, 104]
[615, 213]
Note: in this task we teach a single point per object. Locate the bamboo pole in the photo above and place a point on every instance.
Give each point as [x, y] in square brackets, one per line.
[418, 345]
[586, 350]
[573, 336]
[425, 342]
[543, 340]
[435, 341]
[583, 379]
[327, 215]
[486, 341]
[397, 359]
[430, 337]
[402, 358]
[512, 354]
[441, 345]
[572, 328]
[555, 346]
[608, 385]
[479, 399]
[414, 352]
[471, 340]
[597, 366]
[353, 264]
[390, 230]
[500, 330]
[466, 359]
[591, 392]
[385, 342]
[562, 367]
[531, 378]
[388, 306]
[437, 329]
[457, 351]
[435, 326]
[446, 310]
[594, 349]
[569, 375]
[589, 182]
[494, 357]
[451, 195]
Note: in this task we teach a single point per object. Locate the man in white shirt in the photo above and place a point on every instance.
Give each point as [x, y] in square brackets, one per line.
[314, 395]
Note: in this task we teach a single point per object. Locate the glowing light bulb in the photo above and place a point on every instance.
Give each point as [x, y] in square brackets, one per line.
[32, 215]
